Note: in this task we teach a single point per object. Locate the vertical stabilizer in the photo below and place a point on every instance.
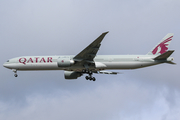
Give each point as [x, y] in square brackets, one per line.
[162, 46]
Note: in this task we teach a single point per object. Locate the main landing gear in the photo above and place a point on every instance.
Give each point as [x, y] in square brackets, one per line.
[90, 78]
[90, 75]
[15, 72]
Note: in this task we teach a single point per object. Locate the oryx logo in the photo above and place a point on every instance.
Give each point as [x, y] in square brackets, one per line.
[162, 47]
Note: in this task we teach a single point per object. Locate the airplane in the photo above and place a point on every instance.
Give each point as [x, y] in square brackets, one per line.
[88, 62]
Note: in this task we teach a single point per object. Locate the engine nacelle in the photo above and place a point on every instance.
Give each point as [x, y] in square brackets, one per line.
[100, 65]
[71, 74]
[64, 62]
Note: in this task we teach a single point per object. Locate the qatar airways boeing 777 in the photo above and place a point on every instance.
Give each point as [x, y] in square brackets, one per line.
[87, 62]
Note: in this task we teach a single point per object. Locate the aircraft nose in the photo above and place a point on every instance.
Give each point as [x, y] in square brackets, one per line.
[5, 65]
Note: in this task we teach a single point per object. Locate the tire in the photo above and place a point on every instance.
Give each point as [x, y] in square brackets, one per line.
[83, 71]
[87, 78]
[15, 75]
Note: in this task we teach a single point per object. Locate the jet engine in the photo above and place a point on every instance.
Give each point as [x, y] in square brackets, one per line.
[71, 74]
[64, 62]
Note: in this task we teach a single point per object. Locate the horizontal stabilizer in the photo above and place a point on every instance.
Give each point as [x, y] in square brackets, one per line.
[164, 55]
[108, 72]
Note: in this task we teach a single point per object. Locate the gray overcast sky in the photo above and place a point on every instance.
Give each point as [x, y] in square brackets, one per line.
[58, 27]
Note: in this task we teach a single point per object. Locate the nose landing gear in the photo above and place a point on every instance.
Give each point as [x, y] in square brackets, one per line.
[15, 75]
[15, 72]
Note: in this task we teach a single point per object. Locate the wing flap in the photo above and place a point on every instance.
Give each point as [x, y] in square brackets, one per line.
[108, 72]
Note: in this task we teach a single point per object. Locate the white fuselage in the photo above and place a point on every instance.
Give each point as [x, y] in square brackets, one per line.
[101, 62]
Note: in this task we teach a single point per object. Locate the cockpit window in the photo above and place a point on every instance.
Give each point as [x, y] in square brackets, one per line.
[8, 61]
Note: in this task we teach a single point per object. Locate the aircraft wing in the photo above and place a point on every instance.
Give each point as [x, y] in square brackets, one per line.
[90, 51]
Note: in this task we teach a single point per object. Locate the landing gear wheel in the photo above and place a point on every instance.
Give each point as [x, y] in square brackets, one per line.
[15, 72]
[87, 78]
[91, 78]
[87, 71]
[15, 75]
[90, 72]
[83, 71]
